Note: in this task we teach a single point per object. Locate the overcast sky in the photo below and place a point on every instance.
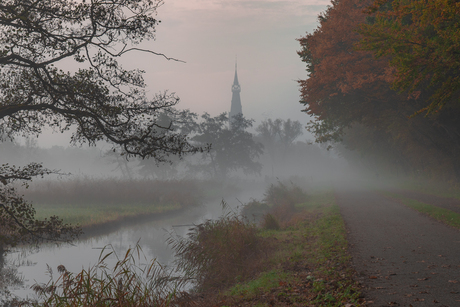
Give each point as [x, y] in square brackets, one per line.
[209, 34]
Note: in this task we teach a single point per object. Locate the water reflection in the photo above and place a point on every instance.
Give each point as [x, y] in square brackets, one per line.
[31, 266]
[10, 278]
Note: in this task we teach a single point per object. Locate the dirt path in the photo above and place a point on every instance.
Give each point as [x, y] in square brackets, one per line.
[403, 258]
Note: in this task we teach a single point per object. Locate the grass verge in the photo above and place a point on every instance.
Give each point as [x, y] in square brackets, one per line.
[445, 216]
[443, 189]
[306, 263]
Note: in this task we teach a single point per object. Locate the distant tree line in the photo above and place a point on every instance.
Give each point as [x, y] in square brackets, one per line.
[384, 80]
[272, 148]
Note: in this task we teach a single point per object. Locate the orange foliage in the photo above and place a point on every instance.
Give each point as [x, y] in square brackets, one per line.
[350, 95]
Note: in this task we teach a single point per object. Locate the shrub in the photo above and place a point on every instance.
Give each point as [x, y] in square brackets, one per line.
[219, 252]
[255, 210]
[284, 198]
[281, 194]
[269, 222]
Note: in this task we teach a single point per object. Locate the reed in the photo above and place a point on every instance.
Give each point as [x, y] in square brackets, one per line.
[93, 201]
[218, 253]
[127, 283]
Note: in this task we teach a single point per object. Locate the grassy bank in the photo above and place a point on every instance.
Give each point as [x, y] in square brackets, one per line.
[96, 214]
[90, 202]
[302, 263]
[442, 215]
[441, 189]
[296, 255]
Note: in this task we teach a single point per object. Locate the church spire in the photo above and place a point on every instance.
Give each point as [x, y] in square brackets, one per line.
[236, 107]
[235, 80]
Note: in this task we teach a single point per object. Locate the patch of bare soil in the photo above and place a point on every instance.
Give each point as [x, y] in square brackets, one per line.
[403, 258]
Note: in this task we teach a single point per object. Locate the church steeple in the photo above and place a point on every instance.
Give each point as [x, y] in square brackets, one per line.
[236, 107]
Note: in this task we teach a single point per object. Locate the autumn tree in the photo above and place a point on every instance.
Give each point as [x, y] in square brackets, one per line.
[98, 98]
[344, 86]
[422, 40]
[349, 93]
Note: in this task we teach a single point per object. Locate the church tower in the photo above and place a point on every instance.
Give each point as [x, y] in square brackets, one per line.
[236, 100]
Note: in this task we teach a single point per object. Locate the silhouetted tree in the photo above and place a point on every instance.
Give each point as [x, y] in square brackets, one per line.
[278, 137]
[183, 122]
[232, 147]
[103, 101]
[278, 134]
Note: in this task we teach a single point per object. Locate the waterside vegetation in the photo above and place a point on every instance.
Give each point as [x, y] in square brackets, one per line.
[303, 262]
[231, 261]
[91, 202]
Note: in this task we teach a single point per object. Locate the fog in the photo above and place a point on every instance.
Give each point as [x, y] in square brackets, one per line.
[97, 176]
[209, 37]
[301, 158]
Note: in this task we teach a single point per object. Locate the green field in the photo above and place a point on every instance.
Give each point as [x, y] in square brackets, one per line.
[94, 214]
[89, 202]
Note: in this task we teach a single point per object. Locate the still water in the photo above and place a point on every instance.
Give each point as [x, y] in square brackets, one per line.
[33, 266]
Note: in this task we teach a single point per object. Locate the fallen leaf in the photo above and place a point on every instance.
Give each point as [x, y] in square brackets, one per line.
[453, 281]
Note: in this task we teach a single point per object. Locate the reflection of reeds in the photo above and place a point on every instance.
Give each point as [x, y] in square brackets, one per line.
[127, 283]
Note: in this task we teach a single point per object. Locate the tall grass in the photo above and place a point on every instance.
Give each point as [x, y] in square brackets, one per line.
[218, 253]
[93, 201]
[277, 208]
[306, 263]
[86, 190]
[282, 194]
[128, 283]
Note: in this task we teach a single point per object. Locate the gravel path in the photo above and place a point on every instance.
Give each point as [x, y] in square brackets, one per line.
[403, 258]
